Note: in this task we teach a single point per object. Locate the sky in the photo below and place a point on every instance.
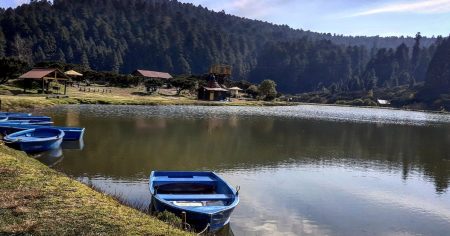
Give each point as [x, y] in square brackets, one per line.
[348, 17]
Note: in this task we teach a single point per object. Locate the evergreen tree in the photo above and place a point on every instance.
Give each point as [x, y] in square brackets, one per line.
[438, 74]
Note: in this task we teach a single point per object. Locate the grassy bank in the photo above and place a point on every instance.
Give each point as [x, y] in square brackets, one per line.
[117, 96]
[37, 200]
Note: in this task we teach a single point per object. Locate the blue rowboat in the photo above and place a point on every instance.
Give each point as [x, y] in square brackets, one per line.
[206, 200]
[39, 118]
[35, 140]
[25, 122]
[71, 133]
[14, 114]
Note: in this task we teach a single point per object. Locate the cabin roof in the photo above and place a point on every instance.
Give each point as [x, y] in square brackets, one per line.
[40, 73]
[153, 74]
[215, 89]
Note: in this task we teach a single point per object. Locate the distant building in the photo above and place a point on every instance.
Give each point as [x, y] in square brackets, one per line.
[45, 76]
[152, 74]
[235, 92]
[382, 102]
[213, 91]
[162, 76]
[73, 75]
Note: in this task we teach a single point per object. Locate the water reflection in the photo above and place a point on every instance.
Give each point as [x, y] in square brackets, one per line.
[54, 156]
[73, 145]
[51, 157]
[304, 170]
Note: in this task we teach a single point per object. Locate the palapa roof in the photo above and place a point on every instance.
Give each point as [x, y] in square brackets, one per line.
[153, 74]
[235, 88]
[73, 73]
[40, 73]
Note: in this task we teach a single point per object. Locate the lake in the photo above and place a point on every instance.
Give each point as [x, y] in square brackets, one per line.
[303, 170]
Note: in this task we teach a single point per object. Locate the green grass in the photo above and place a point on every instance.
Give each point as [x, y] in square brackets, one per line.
[24, 102]
[36, 200]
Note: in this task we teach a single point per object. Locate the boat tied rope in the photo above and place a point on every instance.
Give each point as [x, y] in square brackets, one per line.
[204, 230]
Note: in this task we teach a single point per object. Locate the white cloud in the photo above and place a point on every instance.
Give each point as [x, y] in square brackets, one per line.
[255, 8]
[20, 2]
[418, 7]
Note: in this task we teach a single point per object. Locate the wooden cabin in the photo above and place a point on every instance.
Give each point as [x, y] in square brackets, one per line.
[163, 76]
[45, 76]
[212, 94]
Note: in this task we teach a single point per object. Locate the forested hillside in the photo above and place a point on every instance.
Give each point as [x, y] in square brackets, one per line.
[122, 35]
[438, 76]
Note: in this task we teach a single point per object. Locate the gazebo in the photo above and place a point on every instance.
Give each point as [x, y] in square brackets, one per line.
[235, 91]
[46, 75]
[73, 73]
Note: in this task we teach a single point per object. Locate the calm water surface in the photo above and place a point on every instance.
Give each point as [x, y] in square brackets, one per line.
[306, 170]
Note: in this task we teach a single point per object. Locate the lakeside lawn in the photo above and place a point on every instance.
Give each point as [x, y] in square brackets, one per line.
[37, 200]
[116, 96]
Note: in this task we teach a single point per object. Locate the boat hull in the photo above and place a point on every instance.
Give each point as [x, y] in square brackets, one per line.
[35, 140]
[38, 118]
[14, 114]
[204, 198]
[199, 221]
[37, 146]
[71, 134]
[26, 122]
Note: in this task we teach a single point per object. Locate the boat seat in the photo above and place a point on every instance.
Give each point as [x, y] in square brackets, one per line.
[194, 197]
[194, 179]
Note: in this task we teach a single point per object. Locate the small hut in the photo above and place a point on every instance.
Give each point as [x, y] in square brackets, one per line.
[148, 74]
[383, 102]
[45, 76]
[212, 91]
[235, 92]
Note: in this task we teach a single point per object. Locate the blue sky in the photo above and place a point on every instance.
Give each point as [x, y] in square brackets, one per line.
[349, 17]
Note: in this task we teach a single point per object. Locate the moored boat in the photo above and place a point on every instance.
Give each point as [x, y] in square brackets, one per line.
[35, 140]
[14, 114]
[25, 122]
[26, 117]
[71, 133]
[206, 199]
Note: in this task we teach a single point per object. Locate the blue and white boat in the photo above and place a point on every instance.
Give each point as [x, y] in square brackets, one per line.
[24, 122]
[205, 198]
[14, 114]
[39, 118]
[71, 133]
[35, 140]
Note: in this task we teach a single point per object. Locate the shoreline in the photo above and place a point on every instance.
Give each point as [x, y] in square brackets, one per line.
[37, 200]
[24, 103]
[21, 103]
